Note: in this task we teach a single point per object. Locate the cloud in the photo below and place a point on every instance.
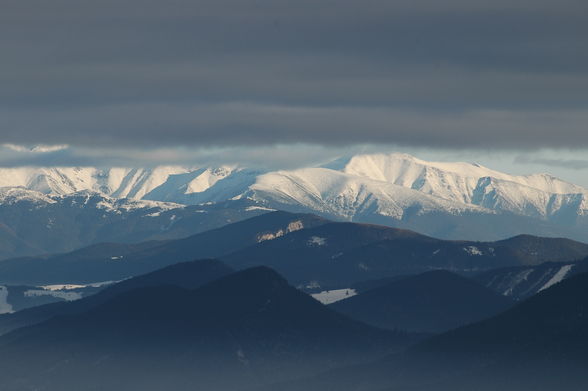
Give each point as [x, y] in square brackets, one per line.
[146, 74]
[284, 156]
[240, 124]
[35, 149]
[574, 164]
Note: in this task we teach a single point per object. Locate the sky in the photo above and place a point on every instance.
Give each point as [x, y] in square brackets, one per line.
[286, 83]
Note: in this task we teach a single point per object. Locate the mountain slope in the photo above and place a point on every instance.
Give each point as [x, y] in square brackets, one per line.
[540, 344]
[109, 261]
[188, 275]
[535, 344]
[337, 255]
[525, 281]
[247, 328]
[535, 250]
[306, 249]
[32, 223]
[432, 302]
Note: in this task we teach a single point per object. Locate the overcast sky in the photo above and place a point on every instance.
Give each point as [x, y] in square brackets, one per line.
[129, 81]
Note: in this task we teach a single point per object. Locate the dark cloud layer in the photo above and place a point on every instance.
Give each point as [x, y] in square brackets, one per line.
[451, 74]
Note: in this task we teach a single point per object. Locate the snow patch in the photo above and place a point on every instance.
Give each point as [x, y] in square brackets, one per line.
[251, 208]
[269, 236]
[172, 220]
[5, 307]
[61, 287]
[313, 285]
[333, 296]
[293, 226]
[473, 250]
[316, 241]
[516, 280]
[67, 296]
[557, 277]
[208, 179]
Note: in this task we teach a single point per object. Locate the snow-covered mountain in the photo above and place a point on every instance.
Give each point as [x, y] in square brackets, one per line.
[472, 184]
[119, 182]
[449, 200]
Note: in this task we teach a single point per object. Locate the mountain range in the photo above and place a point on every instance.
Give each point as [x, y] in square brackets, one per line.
[200, 325]
[308, 250]
[118, 261]
[338, 255]
[32, 223]
[237, 324]
[445, 200]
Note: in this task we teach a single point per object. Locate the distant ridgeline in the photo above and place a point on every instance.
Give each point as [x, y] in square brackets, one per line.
[446, 200]
[310, 251]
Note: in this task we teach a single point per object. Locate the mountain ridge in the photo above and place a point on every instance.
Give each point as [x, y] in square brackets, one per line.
[447, 200]
[32, 223]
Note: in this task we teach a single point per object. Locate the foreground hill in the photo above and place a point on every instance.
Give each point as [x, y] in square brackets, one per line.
[540, 344]
[18, 297]
[536, 344]
[188, 275]
[446, 200]
[431, 302]
[248, 328]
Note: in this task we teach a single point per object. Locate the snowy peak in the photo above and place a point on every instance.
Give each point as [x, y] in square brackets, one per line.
[408, 171]
[393, 189]
[12, 195]
[117, 182]
[473, 184]
[135, 182]
[208, 178]
[404, 169]
[345, 195]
